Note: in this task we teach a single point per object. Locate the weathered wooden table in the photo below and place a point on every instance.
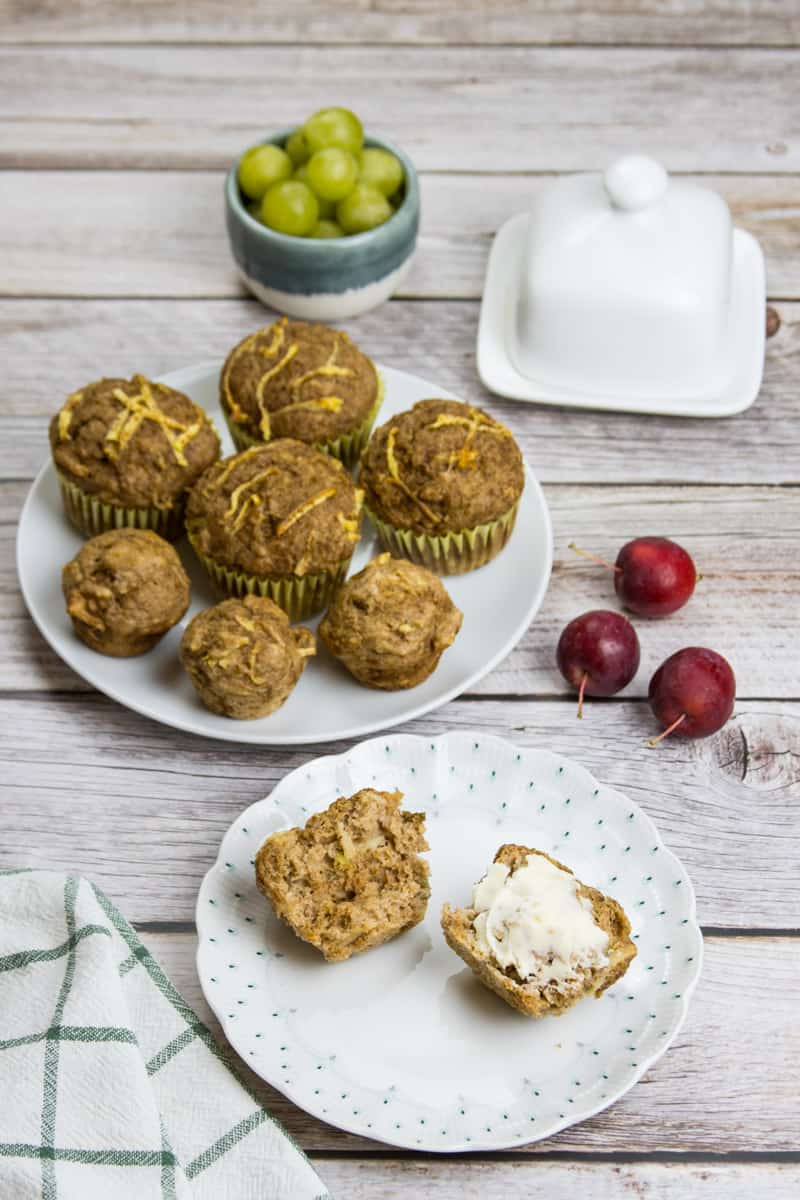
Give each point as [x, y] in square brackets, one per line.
[117, 123]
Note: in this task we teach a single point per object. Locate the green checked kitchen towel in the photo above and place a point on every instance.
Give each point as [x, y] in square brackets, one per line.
[110, 1086]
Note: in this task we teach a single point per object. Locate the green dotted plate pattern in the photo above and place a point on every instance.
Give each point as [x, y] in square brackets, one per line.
[402, 1044]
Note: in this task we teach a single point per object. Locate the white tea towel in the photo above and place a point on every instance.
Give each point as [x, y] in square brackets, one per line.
[110, 1086]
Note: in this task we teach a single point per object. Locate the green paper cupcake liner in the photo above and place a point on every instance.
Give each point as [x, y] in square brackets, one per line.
[91, 515]
[300, 596]
[448, 553]
[347, 447]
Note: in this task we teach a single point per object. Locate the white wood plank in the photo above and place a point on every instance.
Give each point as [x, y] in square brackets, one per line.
[545, 109]
[76, 237]
[684, 22]
[727, 1083]
[365, 1179]
[52, 347]
[743, 541]
[142, 808]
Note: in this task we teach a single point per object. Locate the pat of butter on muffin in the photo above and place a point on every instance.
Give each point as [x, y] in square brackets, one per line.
[537, 936]
[535, 921]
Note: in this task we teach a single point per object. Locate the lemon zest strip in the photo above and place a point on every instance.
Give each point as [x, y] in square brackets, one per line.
[251, 501]
[65, 416]
[394, 472]
[476, 423]
[237, 493]
[263, 424]
[303, 509]
[142, 407]
[278, 332]
[329, 369]
[230, 466]
[235, 411]
[326, 403]
[245, 624]
[349, 525]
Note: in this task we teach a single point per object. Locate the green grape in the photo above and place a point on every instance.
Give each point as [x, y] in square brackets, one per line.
[381, 170]
[327, 208]
[334, 127]
[332, 173]
[290, 207]
[260, 167]
[327, 229]
[363, 209]
[297, 147]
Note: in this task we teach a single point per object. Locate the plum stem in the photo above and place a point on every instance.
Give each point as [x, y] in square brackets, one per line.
[581, 690]
[594, 557]
[667, 731]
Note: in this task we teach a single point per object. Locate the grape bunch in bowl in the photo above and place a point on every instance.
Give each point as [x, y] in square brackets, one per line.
[322, 219]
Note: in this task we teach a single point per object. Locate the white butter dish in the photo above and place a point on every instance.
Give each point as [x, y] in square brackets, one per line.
[626, 291]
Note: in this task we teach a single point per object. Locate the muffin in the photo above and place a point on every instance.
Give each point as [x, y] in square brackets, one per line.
[280, 520]
[243, 656]
[126, 452]
[351, 878]
[537, 936]
[442, 484]
[301, 381]
[124, 590]
[391, 623]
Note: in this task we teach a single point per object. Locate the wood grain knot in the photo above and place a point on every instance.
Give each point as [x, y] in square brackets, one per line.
[773, 321]
[762, 752]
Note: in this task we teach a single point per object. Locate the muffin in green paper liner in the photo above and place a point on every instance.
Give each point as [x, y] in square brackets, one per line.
[280, 520]
[126, 452]
[302, 381]
[442, 485]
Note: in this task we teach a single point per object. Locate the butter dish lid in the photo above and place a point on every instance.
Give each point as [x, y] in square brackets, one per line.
[625, 291]
[625, 284]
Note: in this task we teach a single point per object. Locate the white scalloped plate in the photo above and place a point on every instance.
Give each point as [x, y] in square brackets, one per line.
[401, 1043]
[498, 601]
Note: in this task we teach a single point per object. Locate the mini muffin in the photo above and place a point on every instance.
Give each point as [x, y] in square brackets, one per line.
[243, 656]
[351, 878]
[280, 520]
[442, 484]
[124, 590]
[301, 381]
[126, 452]
[537, 936]
[391, 623]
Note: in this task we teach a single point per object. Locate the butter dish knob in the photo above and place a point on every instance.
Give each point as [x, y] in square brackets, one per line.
[635, 182]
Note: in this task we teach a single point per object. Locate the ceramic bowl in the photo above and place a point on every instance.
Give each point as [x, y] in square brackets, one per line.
[323, 279]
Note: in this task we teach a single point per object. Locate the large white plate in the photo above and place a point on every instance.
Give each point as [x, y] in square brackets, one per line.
[498, 602]
[402, 1043]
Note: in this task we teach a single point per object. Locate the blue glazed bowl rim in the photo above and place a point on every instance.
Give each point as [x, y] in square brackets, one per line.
[341, 247]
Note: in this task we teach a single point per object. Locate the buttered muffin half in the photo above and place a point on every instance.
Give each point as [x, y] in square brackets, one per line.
[537, 936]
